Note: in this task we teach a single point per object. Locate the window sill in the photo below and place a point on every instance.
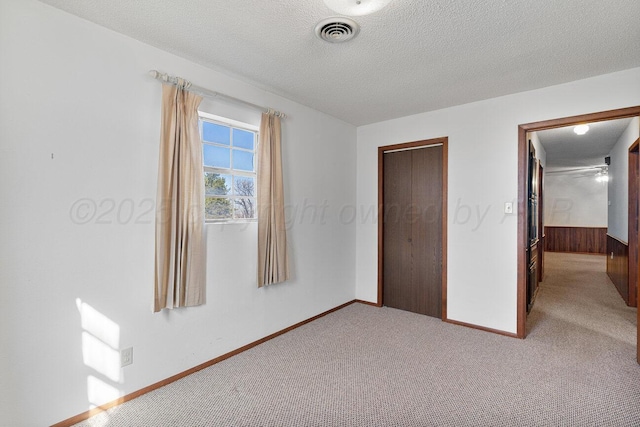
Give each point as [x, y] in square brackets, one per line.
[230, 222]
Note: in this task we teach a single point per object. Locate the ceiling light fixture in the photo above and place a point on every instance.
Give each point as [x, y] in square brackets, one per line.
[581, 129]
[356, 7]
[602, 175]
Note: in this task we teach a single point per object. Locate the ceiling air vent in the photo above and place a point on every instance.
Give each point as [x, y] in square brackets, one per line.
[337, 30]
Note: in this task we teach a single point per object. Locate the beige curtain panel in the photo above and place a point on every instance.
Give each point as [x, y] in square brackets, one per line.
[273, 261]
[180, 245]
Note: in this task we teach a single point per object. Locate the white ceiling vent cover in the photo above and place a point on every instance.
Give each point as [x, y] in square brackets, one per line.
[337, 29]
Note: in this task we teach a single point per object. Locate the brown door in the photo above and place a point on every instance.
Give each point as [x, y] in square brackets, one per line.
[412, 230]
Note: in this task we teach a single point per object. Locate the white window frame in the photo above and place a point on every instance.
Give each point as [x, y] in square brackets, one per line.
[223, 121]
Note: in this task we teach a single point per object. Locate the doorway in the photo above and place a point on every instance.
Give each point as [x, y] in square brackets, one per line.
[523, 174]
[412, 231]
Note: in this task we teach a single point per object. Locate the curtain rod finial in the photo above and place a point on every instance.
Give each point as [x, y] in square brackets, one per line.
[154, 73]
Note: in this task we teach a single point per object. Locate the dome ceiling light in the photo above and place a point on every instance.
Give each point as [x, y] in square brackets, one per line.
[356, 7]
[581, 129]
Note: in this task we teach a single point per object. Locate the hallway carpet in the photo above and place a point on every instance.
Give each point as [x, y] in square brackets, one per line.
[367, 366]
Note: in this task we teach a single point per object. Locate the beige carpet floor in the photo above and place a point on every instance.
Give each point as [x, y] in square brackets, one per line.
[367, 366]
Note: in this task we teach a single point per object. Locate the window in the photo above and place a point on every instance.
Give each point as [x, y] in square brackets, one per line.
[229, 161]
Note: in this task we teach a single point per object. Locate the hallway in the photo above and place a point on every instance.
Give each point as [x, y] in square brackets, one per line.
[578, 307]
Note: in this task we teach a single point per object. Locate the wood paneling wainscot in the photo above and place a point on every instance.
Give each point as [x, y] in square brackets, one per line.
[618, 265]
[587, 240]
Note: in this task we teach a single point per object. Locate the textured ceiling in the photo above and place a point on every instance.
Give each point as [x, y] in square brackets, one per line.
[411, 57]
[566, 150]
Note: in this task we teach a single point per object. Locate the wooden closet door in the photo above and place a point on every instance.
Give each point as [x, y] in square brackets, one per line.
[426, 277]
[412, 233]
[397, 231]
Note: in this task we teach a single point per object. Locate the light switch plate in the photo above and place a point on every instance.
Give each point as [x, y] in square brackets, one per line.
[508, 208]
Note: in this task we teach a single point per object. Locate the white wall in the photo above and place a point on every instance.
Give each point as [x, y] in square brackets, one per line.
[79, 121]
[619, 182]
[574, 200]
[483, 175]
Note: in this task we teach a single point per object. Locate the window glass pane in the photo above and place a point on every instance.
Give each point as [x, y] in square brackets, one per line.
[244, 186]
[243, 160]
[243, 139]
[216, 184]
[218, 208]
[212, 132]
[229, 171]
[245, 207]
[216, 156]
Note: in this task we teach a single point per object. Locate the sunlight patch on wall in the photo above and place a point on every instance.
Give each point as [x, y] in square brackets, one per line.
[100, 352]
[101, 357]
[100, 392]
[98, 325]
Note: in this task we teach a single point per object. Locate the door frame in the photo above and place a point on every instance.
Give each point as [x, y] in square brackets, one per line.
[407, 146]
[541, 233]
[632, 231]
[522, 194]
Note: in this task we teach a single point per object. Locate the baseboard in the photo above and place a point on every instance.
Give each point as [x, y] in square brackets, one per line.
[481, 328]
[373, 304]
[88, 414]
[455, 322]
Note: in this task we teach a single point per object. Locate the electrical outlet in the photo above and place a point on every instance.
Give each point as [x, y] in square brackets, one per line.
[126, 356]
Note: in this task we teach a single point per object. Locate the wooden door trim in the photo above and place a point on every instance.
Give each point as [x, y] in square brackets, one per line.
[541, 234]
[522, 193]
[445, 160]
[632, 238]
